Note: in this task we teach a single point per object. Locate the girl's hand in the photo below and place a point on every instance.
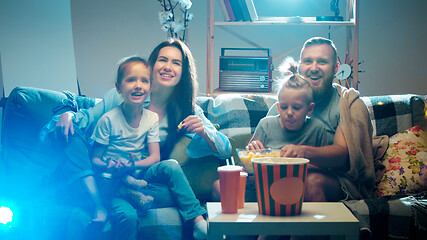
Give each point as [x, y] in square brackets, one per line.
[112, 165]
[64, 126]
[255, 145]
[193, 124]
[131, 163]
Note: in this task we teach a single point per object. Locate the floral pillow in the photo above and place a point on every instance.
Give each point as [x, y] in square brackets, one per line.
[406, 164]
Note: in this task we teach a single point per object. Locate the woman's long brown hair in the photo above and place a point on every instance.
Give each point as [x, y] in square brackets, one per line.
[181, 102]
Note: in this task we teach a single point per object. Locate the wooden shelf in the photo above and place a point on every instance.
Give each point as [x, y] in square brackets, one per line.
[351, 21]
[288, 21]
[217, 92]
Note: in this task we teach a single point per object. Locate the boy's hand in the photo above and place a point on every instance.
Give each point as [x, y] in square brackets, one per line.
[255, 145]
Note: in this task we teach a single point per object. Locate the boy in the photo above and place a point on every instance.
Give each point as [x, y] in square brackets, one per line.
[292, 125]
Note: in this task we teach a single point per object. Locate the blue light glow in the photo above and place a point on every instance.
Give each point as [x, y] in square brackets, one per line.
[319, 216]
[6, 215]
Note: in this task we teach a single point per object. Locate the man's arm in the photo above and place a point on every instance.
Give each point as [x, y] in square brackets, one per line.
[331, 156]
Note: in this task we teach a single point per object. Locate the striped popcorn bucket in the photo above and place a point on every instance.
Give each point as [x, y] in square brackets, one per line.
[280, 185]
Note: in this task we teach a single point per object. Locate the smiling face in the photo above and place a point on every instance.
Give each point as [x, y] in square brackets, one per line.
[293, 108]
[318, 65]
[167, 69]
[135, 84]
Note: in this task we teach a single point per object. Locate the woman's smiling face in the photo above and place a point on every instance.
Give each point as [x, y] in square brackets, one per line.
[168, 67]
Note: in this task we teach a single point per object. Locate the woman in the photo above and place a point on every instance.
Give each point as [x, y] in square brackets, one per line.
[172, 97]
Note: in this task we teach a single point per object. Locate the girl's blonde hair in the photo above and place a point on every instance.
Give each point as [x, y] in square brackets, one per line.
[124, 64]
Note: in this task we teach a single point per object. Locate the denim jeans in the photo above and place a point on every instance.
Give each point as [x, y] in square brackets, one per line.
[169, 186]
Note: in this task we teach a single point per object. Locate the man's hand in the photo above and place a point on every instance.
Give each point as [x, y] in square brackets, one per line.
[292, 150]
[255, 145]
[64, 126]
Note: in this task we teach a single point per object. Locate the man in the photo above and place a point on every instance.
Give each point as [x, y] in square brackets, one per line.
[345, 168]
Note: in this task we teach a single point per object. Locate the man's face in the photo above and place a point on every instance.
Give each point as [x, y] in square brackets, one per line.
[318, 65]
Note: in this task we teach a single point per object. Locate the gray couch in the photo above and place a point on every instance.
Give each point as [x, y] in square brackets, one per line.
[32, 177]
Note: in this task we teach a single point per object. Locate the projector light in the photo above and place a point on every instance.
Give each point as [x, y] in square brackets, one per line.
[5, 215]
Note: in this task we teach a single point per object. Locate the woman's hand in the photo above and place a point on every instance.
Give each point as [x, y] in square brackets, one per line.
[255, 145]
[194, 124]
[64, 126]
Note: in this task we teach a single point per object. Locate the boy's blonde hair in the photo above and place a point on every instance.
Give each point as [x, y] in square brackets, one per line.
[290, 78]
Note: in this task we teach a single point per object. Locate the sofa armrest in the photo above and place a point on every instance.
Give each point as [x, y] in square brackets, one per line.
[27, 161]
[391, 114]
[28, 109]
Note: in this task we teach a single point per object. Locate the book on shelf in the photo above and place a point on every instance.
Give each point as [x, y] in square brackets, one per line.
[238, 10]
[251, 9]
[244, 9]
[223, 10]
[238, 14]
[229, 9]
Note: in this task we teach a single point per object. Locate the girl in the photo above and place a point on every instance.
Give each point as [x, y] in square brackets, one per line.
[127, 136]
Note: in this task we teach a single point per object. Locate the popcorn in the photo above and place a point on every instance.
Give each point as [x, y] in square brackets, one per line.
[181, 124]
[246, 157]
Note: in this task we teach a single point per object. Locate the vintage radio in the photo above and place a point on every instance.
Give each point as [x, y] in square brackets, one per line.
[245, 73]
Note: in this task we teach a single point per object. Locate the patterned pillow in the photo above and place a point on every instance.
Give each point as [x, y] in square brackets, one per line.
[406, 164]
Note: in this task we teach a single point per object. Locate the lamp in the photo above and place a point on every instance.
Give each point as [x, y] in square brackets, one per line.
[335, 9]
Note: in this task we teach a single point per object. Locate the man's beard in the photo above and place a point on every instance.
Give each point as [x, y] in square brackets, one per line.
[320, 93]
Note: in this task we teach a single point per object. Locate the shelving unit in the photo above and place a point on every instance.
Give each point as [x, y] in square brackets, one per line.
[351, 21]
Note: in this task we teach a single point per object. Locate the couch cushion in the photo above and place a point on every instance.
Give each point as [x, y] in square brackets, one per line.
[391, 114]
[406, 164]
[201, 173]
[391, 217]
[236, 114]
[163, 223]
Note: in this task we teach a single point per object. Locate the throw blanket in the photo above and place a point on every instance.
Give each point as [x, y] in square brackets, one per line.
[391, 217]
[359, 180]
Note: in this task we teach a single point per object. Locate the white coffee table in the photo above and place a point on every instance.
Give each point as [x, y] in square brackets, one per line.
[317, 218]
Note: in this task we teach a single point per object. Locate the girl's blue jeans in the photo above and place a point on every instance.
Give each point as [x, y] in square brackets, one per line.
[169, 186]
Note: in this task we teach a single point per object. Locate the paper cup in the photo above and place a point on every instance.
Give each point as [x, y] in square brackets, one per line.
[242, 189]
[280, 185]
[229, 185]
